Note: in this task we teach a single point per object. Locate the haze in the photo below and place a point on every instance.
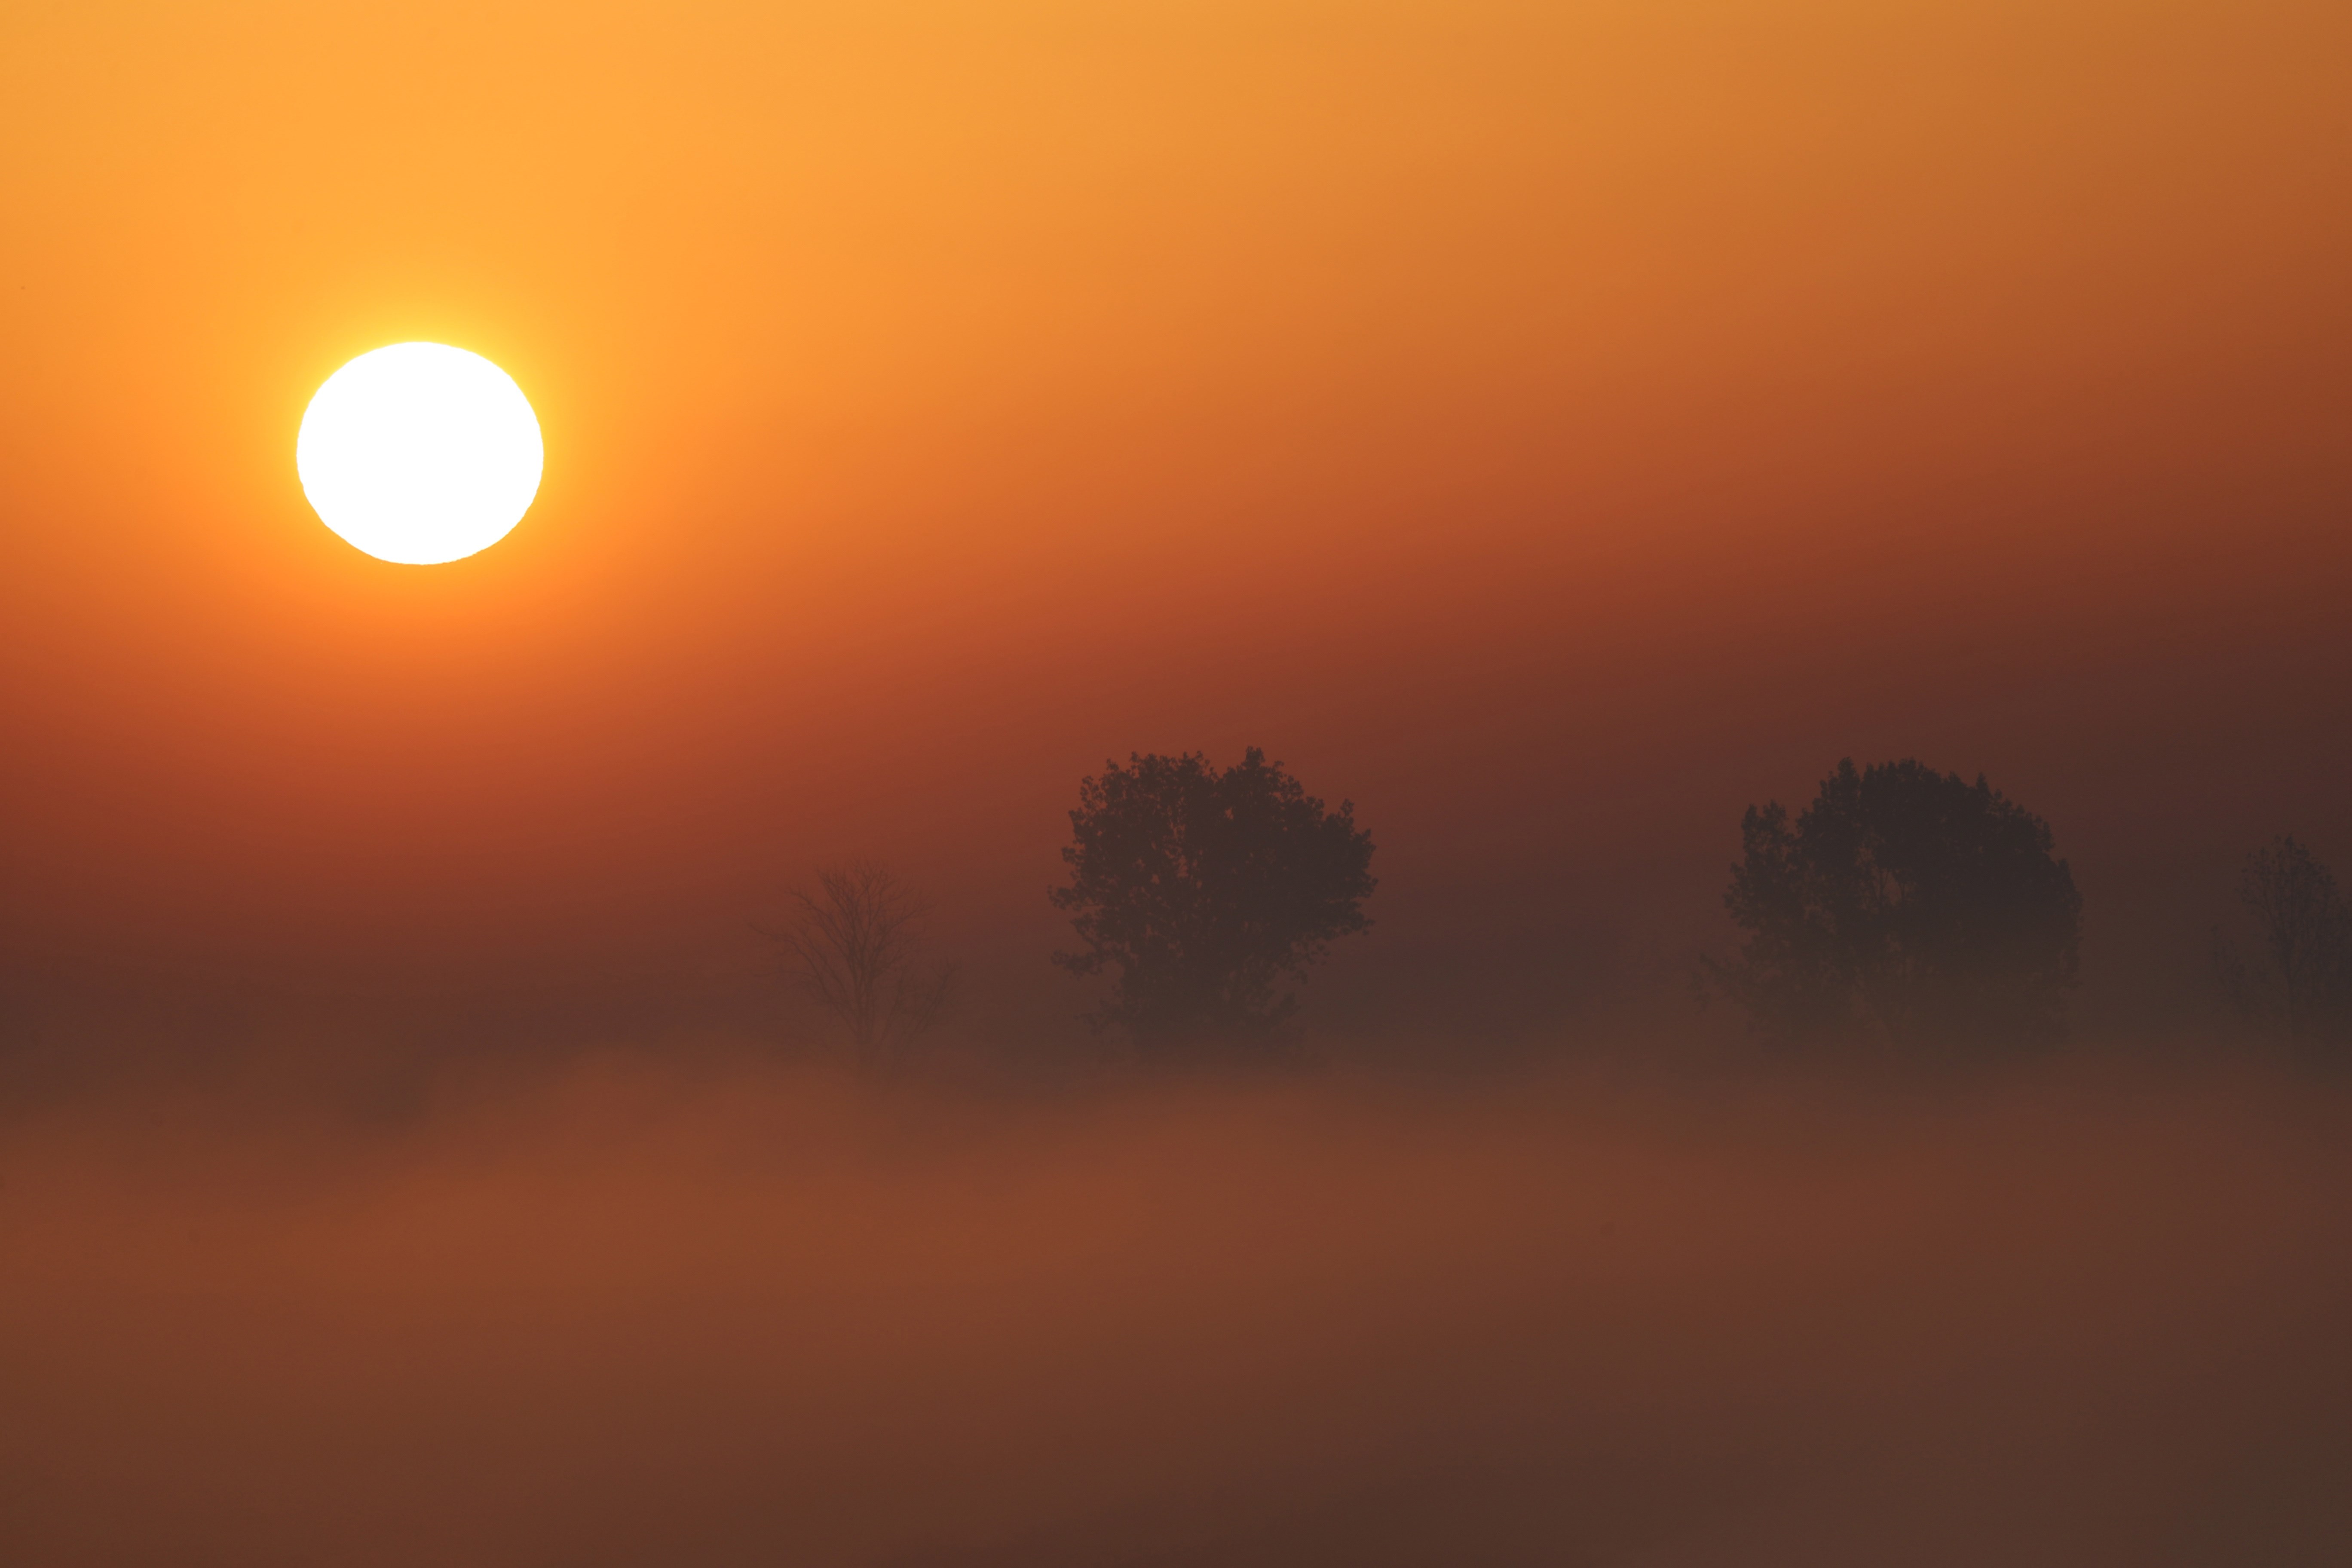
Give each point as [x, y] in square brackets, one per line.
[1552, 429]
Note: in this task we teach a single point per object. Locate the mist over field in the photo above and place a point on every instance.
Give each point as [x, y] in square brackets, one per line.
[1047, 906]
[704, 1307]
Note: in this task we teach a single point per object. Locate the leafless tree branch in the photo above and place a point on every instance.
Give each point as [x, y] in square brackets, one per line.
[856, 943]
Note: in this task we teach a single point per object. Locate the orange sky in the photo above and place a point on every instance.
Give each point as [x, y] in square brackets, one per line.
[1552, 425]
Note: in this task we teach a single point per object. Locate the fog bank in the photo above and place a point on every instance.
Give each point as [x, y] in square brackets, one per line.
[634, 1312]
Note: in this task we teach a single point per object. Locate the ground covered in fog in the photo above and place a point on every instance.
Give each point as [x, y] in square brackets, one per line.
[632, 1312]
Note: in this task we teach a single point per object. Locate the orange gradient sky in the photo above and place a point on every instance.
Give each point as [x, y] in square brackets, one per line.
[1551, 425]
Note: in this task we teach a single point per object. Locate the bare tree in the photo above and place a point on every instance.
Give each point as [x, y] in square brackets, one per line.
[2302, 932]
[856, 943]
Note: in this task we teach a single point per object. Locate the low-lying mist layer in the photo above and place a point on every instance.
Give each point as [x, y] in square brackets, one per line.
[635, 1313]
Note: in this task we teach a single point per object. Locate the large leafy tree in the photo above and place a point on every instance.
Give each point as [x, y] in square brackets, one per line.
[1200, 892]
[1906, 902]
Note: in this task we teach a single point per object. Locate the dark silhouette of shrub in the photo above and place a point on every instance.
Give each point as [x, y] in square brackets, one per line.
[856, 945]
[2301, 982]
[1902, 903]
[1201, 891]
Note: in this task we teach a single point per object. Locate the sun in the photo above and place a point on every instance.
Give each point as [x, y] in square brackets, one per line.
[420, 453]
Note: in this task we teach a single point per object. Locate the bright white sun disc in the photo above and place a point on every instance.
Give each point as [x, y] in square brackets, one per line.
[420, 453]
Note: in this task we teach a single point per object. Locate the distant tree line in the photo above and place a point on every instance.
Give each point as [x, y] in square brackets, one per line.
[1901, 905]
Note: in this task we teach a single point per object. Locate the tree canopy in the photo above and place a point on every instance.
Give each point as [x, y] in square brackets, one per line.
[1201, 891]
[1904, 901]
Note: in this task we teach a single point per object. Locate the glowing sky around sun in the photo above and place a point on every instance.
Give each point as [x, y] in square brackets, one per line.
[1484, 405]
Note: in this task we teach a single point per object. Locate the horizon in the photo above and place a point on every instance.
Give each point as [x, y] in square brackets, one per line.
[802, 849]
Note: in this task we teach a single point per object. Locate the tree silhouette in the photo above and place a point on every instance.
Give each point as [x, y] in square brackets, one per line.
[856, 945]
[1202, 891]
[2302, 931]
[1906, 902]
